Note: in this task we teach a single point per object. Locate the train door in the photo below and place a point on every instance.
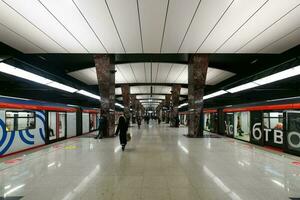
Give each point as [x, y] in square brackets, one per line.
[292, 132]
[56, 126]
[93, 121]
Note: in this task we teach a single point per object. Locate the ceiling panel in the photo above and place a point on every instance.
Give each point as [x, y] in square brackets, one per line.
[154, 71]
[152, 14]
[183, 77]
[118, 91]
[209, 12]
[184, 91]
[162, 97]
[97, 14]
[268, 15]
[163, 71]
[139, 71]
[238, 13]
[283, 43]
[18, 42]
[88, 76]
[154, 101]
[175, 72]
[147, 70]
[127, 23]
[126, 72]
[215, 76]
[67, 13]
[278, 30]
[139, 89]
[119, 78]
[18, 24]
[180, 14]
[42, 19]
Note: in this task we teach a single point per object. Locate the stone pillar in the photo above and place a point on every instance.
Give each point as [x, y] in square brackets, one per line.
[126, 101]
[134, 108]
[197, 71]
[163, 117]
[105, 70]
[167, 104]
[175, 104]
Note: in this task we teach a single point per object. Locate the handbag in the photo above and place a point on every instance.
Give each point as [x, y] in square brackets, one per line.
[128, 137]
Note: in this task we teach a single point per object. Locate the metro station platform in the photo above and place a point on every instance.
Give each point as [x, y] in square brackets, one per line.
[158, 163]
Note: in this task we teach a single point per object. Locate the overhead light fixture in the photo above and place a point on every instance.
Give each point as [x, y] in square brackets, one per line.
[218, 93]
[62, 87]
[245, 86]
[279, 76]
[119, 105]
[11, 70]
[14, 71]
[182, 105]
[88, 94]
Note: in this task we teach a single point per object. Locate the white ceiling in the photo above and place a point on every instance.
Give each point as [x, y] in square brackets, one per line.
[161, 73]
[150, 26]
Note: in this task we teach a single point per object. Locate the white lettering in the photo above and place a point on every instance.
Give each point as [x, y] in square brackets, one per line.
[290, 134]
[267, 131]
[255, 130]
[278, 137]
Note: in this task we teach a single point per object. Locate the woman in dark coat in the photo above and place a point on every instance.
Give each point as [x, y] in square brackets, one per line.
[122, 129]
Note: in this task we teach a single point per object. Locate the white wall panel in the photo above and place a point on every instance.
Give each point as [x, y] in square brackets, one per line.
[152, 14]
[33, 11]
[278, 30]
[283, 44]
[67, 13]
[206, 17]
[98, 16]
[179, 15]
[127, 23]
[16, 41]
[270, 13]
[238, 13]
[18, 24]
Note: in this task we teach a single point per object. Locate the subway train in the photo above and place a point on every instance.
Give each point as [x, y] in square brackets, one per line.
[274, 124]
[28, 124]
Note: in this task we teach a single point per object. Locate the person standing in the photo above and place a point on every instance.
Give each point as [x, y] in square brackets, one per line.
[122, 131]
[102, 127]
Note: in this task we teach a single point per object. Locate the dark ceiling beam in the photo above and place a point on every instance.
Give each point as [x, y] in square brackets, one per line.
[152, 84]
[160, 58]
[119, 95]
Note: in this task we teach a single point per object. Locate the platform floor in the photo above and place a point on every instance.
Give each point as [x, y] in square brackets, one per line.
[158, 164]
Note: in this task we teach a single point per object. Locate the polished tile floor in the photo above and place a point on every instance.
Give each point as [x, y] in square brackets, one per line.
[158, 164]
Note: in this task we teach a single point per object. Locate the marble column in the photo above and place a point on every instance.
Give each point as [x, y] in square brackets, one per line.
[105, 70]
[197, 71]
[134, 106]
[175, 103]
[167, 104]
[126, 101]
[163, 116]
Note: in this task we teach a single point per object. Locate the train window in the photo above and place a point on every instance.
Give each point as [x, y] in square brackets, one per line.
[19, 120]
[273, 120]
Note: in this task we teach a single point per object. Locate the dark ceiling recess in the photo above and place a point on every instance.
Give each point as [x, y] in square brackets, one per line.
[58, 65]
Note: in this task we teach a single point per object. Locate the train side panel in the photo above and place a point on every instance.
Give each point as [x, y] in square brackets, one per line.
[71, 124]
[19, 132]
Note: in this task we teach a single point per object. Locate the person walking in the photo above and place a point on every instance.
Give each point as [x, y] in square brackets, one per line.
[122, 131]
[102, 127]
[139, 121]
